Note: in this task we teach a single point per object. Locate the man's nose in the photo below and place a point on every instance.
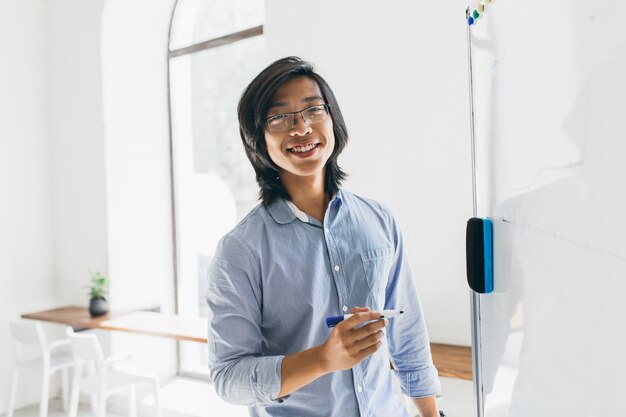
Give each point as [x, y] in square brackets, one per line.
[300, 126]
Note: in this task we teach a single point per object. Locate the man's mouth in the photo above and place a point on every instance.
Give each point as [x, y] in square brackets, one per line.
[303, 149]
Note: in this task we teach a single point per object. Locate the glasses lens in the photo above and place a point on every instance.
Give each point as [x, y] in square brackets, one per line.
[315, 114]
[280, 122]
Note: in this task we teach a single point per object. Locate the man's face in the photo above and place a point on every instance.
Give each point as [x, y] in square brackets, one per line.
[304, 149]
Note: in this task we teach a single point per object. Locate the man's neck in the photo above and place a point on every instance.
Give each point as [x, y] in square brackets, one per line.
[307, 193]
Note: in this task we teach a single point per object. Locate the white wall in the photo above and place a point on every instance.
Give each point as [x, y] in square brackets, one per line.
[134, 62]
[26, 253]
[51, 165]
[76, 146]
[407, 60]
[139, 217]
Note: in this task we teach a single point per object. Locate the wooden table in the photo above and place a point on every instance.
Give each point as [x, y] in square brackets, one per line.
[451, 361]
[141, 322]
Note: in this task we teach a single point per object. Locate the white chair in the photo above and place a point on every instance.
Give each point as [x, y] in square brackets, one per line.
[105, 380]
[30, 333]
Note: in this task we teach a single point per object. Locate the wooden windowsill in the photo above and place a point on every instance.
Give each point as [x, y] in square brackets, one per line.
[452, 361]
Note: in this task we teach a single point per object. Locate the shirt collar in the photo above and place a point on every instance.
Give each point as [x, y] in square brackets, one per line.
[284, 211]
[297, 212]
[280, 212]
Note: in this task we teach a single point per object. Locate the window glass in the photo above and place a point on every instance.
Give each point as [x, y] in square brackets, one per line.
[196, 21]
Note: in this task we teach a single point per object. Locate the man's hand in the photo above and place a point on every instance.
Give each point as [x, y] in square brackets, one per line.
[348, 345]
[345, 347]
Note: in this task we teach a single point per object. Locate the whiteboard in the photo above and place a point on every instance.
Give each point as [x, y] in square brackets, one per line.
[549, 112]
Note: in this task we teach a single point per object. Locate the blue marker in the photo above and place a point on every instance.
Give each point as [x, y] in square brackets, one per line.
[385, 314]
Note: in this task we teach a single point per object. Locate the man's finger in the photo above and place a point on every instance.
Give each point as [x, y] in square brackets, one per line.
[368, 329]
[368, 351]
[359, 318]
[370, 340]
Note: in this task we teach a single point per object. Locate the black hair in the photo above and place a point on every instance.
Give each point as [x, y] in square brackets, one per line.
[252, 112]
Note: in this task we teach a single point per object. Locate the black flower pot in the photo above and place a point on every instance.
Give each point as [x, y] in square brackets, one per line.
[98, 307]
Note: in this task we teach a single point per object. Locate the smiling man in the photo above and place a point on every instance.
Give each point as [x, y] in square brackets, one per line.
[311, 250]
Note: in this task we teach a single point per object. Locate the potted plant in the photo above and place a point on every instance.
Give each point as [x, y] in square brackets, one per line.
[98, 291]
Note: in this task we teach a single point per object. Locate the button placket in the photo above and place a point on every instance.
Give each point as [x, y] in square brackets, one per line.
[336, 273]
[357, 375]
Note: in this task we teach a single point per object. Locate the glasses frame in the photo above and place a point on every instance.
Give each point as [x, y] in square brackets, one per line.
[293, 117]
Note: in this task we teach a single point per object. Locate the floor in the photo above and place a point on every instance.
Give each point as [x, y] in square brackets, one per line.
[191, 398]
[458, 397]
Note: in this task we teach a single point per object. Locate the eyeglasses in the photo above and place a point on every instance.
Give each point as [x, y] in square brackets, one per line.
[282, 122]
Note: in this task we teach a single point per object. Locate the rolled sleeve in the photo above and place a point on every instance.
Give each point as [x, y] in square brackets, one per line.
[421, 383]
[266, 379]
[249, 380]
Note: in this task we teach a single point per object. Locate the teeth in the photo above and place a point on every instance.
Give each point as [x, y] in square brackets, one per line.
[302, 149]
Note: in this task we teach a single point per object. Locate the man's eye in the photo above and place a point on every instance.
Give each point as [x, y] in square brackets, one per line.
[277, 118]
[315, 109]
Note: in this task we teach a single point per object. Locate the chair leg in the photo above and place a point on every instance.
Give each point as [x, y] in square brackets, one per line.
[93, 398]
[73, 408]
[102, 404]
[93, 405]
[13, 392]
[157, 405]
[45, 392]
[65, 388]
[132, 401]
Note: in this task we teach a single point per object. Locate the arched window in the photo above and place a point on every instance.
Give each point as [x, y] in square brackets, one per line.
[216, 48]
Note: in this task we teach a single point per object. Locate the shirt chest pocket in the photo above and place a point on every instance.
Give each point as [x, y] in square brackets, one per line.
[377, 263]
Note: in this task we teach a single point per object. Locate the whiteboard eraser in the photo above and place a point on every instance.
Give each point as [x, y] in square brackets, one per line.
[479, 254]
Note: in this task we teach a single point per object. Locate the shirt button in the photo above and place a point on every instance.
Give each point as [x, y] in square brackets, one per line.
[359, 388]
[337, 268]
[345, 308]
[327, 230]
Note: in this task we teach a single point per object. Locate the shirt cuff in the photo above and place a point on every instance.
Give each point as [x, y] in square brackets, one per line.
[266, 380]
[421, 383]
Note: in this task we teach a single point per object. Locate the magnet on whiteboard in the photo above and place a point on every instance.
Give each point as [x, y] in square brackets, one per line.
[479, 254]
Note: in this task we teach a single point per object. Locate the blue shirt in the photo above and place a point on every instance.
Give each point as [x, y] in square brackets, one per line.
[277, 276]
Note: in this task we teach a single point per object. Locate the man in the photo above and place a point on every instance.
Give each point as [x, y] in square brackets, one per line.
[310, 251]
